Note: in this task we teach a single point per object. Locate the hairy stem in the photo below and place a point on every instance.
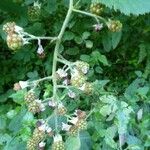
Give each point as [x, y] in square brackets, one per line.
[90, 14]
[58, 42]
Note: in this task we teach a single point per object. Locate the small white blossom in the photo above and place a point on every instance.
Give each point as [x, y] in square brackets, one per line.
[60, 105]
[73, 120]
[62, 73]
[98, 27]
[42, 144]
[52, 103]
[65, 82]
[23, 84]
[42, 107]
[40, 49]
[37, 4]
[65, 127]
[71, 94]
[18, 29]
[57, 138]
[42, 127]
[82, 88]
[48, 129]
[75, 73]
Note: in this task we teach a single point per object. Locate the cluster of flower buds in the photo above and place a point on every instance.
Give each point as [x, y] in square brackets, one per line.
[34, 11]
[34, 105]
[58, 143]
[15, 38]
[58, 107]
[76, 124]
[39, 133]
[78, 77]
[114, 25]
[96, 8]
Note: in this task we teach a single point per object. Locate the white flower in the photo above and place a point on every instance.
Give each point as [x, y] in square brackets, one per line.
[73, 120]
[98, 27]
[60, 105]
[62, 73]
[37, 4]
[82, 88]
[42, 144]
[75, 73]
[57, 138]
[42, 107]
[18, 29]
[65, 82]
[23, 84]
[85, 69]
[71, 94]
[40, 49]
[65, 127]
[52, 103]
[48, 129]
[42, 127]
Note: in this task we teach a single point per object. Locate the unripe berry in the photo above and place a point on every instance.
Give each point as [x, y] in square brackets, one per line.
[38, 135]
[61, 110]
[81, 124]
[9, 27]
[14, 41]
[58, 145]
[96, 8]
[34, 13]
[73, 130]
[35, 106]
[87, 88]
[31, 144]
[30, 97]
[82, 66]
[78, 81]
[114, 25]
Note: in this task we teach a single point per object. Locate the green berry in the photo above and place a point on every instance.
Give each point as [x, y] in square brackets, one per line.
[14, 41]
[58, 145]
[34, 13]
[78, 81]
[9, 27]
[30, 97]
[96, 8]
[114, 25]
[81, 124]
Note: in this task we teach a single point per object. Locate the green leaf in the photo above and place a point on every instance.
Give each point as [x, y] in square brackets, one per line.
[18, 97]
[4, 138]
[2, 123]
[128, 7]
[68, 36]
[86, 35]
[105, 110]
[116, 37]
[73, 143]
[16, 122]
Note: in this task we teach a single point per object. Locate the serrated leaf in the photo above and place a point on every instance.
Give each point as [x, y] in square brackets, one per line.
[128, 7]
[73, 143]
[116, 37]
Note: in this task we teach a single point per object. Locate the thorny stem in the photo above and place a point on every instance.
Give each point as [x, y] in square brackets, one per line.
[58, 42]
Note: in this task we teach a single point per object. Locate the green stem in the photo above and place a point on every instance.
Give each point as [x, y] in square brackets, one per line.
[58, 42]
[90, 14]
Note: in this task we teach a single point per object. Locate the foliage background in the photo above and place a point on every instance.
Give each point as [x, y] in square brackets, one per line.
[122, 58]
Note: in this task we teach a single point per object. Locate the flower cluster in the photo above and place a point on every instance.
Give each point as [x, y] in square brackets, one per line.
[76, 123]
[34, 105]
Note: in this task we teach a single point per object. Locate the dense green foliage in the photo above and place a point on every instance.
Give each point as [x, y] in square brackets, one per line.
[119, 112]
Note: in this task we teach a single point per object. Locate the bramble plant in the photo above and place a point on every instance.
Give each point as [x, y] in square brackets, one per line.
[50, 116]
